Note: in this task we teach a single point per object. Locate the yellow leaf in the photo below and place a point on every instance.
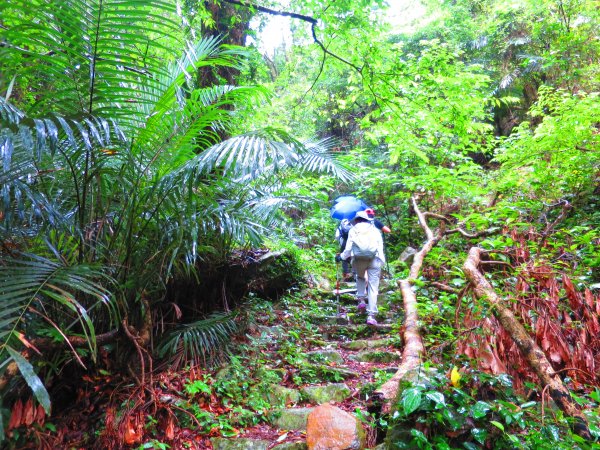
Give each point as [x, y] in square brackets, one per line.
[455, 377]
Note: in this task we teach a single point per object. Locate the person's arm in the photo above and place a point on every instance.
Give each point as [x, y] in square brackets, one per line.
[380, 226]
[348, 249]
[380, 251]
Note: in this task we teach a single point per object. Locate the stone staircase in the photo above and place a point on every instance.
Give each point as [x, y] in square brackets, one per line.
[354, 357]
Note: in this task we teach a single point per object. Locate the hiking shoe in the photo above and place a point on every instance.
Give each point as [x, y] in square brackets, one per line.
[371, 321]
[362, 306]
[348, 277]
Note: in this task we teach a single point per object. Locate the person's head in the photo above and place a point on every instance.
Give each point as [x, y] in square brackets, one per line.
[361, 216]
[370, 212]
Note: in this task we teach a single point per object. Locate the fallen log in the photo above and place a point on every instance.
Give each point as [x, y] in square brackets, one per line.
[413, 343]
[535, 356]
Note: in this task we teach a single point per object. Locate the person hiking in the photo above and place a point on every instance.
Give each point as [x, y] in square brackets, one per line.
[365, 247]
[378, 223]
[341, 235]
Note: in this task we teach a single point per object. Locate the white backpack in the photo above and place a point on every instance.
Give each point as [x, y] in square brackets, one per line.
[364, 245]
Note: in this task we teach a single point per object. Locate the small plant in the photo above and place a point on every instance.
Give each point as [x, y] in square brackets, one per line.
[154, 444]
[436, 413]
[198, 387]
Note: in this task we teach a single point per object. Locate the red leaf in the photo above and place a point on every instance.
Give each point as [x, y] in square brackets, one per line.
[555, 357]
[40, 415]
[133, 432]
[170, 428]
[589, 298]
[15, 415]
[572, 294]
[28, 412]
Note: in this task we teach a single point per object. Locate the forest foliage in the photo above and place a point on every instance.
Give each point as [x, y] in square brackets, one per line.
[141, 150]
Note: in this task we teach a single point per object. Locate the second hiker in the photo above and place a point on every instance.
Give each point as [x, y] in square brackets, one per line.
[365, 246]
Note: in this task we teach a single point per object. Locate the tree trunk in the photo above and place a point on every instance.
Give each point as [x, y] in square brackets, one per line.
[530, 350]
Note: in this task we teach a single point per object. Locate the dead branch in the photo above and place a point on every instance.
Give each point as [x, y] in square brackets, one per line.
[530, 350]
[313, 23]
[466, 234]
[46, 344]
[74, 341]
[413, 343]
[566, 206]
[428, 214]
[459, 229]
[496, 263]
[444, 287]
[130, 332]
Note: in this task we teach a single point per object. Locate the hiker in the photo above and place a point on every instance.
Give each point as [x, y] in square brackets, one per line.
[341, 235]
[378, 223]
[365, 246]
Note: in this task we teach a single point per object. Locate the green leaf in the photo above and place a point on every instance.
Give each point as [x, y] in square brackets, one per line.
[479, 410]
[411, 400]
[34, 382]
[497, 425]
[480, 434]
[437, 398]
[595, 395]
[528, 405]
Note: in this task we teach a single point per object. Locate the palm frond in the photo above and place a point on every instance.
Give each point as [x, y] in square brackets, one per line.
[319, 159]
[262, 152]
[8, 113]
[34, 151]
[201, 342]
[179, 133]
[98, 53]
[34, 282]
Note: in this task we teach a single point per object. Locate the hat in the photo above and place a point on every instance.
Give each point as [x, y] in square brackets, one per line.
[370, 212]
[362, 215]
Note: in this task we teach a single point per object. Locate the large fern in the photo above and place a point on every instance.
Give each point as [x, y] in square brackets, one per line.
[117, 147]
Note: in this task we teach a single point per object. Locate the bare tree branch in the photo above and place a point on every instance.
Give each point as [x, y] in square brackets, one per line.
[444, 287]
[466, 234]
[303, 17]
[273, 12]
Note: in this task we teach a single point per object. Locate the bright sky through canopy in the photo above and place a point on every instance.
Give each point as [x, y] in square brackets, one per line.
[276, 31]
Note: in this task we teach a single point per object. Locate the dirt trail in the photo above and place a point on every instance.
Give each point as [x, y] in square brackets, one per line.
[338, 359]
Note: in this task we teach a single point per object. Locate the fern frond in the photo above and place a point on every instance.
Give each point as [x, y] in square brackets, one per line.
[201, 342]
[35, 281]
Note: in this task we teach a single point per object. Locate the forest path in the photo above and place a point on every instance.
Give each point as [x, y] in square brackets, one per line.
[322, 351]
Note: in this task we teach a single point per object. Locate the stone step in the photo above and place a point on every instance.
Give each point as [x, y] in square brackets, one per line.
[376, 357]
[291, 419]
[362, 344]
[332, 392]
[361, 330]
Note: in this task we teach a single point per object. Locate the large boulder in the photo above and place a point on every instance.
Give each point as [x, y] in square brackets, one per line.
[376, 356]
[326, 355]
[362, 344]
[330, 428]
